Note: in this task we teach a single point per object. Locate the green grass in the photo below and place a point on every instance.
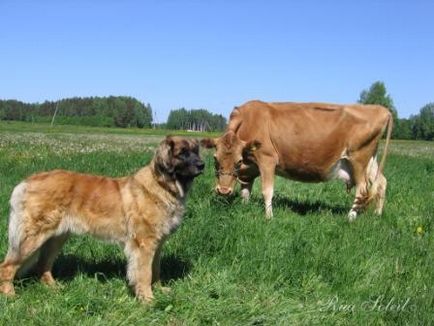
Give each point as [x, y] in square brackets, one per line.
[226, 264]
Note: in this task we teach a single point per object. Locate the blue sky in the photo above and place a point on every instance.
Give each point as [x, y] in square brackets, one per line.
[217, 54]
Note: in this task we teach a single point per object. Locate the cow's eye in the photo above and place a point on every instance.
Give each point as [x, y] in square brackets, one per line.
[238, 164]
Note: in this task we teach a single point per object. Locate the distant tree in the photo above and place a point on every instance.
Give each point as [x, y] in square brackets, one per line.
[197, 120]
[423, 127]
[377, 94]
[404, 128]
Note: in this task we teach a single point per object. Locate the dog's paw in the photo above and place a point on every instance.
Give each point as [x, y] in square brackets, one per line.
[144, 296]
[164, 289]
[7, 289]
[145, 299]
[48, 279]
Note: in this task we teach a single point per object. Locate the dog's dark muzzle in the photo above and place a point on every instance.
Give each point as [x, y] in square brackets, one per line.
[200, 165]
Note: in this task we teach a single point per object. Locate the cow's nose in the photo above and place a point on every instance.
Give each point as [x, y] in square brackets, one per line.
[223, 190]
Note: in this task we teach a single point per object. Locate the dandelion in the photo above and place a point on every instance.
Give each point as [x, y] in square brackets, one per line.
[420, 231]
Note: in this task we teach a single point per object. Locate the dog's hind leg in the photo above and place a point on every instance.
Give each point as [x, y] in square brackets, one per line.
[47, 256]
[16, 259]
[25, 238]
[8, 269]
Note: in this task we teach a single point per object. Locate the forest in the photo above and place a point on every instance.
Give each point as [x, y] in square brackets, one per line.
[196, 120]
[120, 111]
[128, 112]
[112, 111]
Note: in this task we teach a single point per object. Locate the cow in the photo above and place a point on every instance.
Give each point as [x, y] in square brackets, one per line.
[308, 142]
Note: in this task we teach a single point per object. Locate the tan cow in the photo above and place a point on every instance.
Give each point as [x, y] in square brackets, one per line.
[310, 142]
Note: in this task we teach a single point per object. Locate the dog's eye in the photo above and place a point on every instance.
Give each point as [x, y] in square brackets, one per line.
[184, 153]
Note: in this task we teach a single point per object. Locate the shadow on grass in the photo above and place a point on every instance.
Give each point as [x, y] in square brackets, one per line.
[305, 208]
[67, 267]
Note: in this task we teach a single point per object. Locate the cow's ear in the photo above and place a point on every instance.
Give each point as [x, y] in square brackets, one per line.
[251, 147]
[208, 142]
[229, 138]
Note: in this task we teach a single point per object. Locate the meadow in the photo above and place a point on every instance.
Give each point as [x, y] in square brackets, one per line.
[227, 265]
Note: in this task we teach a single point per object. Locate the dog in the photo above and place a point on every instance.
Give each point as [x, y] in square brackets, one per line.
[137, 211]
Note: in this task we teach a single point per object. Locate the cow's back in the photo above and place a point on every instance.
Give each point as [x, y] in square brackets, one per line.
[307, 138]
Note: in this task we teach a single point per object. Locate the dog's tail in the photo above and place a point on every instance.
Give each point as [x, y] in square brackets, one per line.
[16, 218]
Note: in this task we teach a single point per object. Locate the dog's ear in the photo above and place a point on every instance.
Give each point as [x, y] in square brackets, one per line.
[208, 142]
[170, 142]
[194, 145]
[164, 155]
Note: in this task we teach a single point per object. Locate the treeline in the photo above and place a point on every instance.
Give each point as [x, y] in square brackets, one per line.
[195, 120]
[420, 126]
[123, 111]
[113, 111]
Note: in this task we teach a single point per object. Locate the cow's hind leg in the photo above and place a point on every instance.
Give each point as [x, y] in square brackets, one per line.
[361, 199]
[380, 196]
[377, 186]
[49, 252]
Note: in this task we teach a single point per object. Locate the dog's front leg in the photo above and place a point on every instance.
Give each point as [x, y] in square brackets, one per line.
[140, 253]
[156, 265]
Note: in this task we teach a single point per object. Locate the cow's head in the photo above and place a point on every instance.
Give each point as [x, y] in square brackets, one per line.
[230, 159]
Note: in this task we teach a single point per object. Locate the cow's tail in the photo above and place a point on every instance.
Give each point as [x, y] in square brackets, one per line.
[376, 191]
[389, 127]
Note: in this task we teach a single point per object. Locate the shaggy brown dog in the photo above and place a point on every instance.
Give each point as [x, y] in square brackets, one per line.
[138, 211]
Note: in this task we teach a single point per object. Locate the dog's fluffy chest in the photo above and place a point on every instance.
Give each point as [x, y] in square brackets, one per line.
[173, 221]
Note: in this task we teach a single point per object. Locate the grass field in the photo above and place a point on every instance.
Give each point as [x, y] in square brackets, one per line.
[226, 265]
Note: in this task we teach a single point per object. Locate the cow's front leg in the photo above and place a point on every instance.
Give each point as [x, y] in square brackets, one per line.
[267, 183]
[140, 254]
[246, 190]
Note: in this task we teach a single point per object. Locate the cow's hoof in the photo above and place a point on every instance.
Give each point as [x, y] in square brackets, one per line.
[352, 216]
[378, 212]
[269, 217]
